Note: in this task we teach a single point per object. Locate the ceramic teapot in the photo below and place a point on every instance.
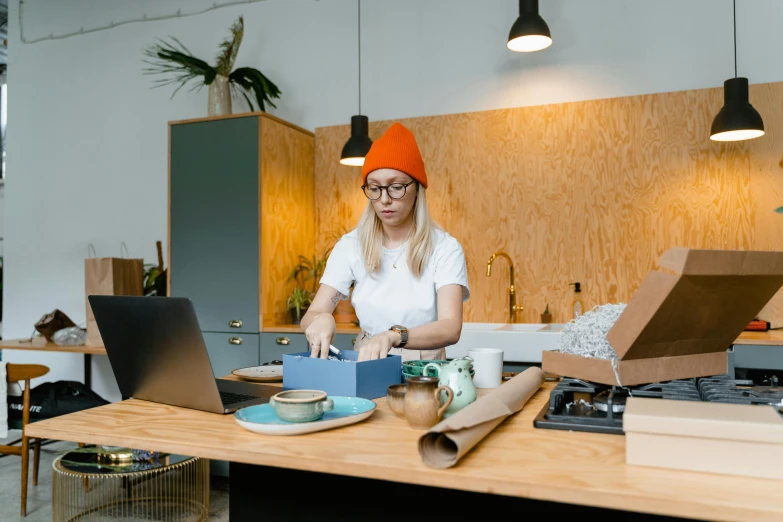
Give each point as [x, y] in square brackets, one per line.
[456, 375]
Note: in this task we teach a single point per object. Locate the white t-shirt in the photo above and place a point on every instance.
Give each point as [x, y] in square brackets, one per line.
[393, 295]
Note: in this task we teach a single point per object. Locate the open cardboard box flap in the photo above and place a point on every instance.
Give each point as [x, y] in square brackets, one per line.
[700, 310]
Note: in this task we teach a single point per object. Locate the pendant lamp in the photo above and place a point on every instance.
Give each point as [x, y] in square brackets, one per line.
[530, 32]
[737, 120]
[358, 145]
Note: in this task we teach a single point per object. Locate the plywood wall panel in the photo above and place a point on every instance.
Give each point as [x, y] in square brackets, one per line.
[286, 212]
[591, 191]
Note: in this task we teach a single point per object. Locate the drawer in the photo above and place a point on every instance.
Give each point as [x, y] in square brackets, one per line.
[344, 341]
[229, 351]
[274, 345]
[758, 357]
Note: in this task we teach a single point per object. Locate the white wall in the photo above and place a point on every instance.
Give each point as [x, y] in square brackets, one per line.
[87, 148]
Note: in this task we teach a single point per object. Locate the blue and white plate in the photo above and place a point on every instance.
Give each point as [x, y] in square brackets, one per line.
[262, 418]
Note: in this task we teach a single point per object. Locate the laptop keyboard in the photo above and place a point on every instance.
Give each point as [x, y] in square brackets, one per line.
[233, 398]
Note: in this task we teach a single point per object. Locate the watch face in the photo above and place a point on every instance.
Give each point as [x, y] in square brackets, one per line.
[402, 331]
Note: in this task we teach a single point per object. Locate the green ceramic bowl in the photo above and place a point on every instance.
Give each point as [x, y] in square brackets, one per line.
[416, 367]
[406, 375]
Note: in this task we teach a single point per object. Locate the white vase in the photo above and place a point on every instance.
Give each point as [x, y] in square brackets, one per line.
[219, 102]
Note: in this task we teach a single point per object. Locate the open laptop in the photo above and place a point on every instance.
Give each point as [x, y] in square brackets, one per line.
[158, 354]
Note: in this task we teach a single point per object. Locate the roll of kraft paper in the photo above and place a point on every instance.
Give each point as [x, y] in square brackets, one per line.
[451, 439]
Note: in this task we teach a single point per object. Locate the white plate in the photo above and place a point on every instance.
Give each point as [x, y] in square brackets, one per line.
[262, 419]
[269, 373]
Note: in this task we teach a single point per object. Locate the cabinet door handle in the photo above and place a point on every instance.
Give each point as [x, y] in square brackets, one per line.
[234, 340]
[285, 341]
[235, 323]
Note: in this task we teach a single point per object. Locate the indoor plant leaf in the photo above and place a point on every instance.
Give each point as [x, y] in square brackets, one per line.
[229, 48]
[253, 80]
[175, 62]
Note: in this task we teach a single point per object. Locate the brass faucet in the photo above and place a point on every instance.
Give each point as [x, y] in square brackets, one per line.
[513, 307]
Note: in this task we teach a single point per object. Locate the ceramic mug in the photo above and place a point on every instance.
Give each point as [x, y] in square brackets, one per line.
[301, 405]
[422, 404]
[395, 398]
[488, 363]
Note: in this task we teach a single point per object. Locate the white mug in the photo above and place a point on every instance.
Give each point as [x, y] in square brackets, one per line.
[488, 365]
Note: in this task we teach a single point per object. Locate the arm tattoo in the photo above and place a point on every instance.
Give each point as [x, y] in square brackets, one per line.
[337, 297]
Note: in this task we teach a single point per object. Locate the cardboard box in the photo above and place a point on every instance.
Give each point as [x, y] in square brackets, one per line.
[735, 439]
[366, 379]
[679, 326]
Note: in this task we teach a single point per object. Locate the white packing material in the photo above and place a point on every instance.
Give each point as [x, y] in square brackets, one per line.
[586, 335]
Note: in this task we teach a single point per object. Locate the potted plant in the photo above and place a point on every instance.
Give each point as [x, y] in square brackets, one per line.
[546, 317]
[305, 276]
[155, 275]
[297, 303]
[174, 60]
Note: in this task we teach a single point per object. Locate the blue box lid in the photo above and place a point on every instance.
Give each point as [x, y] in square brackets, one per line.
[348, 377]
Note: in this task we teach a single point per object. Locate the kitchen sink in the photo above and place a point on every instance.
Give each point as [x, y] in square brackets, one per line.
[523, 327]
[520, 342]
[482, 327]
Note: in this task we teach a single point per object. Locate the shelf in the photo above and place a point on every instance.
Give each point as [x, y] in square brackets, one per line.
[293, 328]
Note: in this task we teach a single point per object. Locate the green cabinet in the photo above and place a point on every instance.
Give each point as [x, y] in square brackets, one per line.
[344, 341]
[229, 351]
[214, 221]
[241, 211]
[274, 345]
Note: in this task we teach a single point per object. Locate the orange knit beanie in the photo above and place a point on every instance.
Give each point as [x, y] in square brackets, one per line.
[397, 150]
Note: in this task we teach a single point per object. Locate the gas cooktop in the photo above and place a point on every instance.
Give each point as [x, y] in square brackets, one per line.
[580, 405]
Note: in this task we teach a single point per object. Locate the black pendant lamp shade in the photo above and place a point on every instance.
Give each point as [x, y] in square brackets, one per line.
[358, 145]
[737, 120]
[530, 32]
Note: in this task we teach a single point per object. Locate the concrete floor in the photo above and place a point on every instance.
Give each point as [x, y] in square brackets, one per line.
[39, 498]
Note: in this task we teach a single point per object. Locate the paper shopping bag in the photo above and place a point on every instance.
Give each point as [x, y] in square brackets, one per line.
[110, 276]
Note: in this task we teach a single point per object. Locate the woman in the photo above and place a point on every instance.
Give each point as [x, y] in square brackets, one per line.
[409, 276]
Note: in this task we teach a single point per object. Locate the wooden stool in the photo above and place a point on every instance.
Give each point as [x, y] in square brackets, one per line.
[19, 373]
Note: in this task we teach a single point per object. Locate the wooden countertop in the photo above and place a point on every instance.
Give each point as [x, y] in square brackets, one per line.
[770, 338]
[293, 328]
[516, 459]
[41, 344]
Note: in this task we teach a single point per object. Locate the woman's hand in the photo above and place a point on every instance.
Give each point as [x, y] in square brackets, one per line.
[320, 334]
[378, 346]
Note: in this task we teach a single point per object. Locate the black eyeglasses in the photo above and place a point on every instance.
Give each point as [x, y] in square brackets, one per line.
[395, 190]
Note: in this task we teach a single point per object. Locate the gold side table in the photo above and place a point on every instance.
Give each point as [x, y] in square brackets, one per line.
[89, 485]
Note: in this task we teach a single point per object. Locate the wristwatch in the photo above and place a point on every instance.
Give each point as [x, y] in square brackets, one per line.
[403, 334]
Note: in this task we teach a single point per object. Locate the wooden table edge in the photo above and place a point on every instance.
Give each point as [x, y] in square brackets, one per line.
[38, 346]
[770, 338]
[611, 499]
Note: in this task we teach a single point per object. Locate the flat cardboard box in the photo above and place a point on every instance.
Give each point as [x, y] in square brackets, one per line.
[679, 325]
[735, 439]
[366, 379]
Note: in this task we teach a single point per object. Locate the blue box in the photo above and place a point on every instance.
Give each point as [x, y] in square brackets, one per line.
[366, 379]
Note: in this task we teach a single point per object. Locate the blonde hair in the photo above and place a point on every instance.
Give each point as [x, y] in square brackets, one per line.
[370, 231]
